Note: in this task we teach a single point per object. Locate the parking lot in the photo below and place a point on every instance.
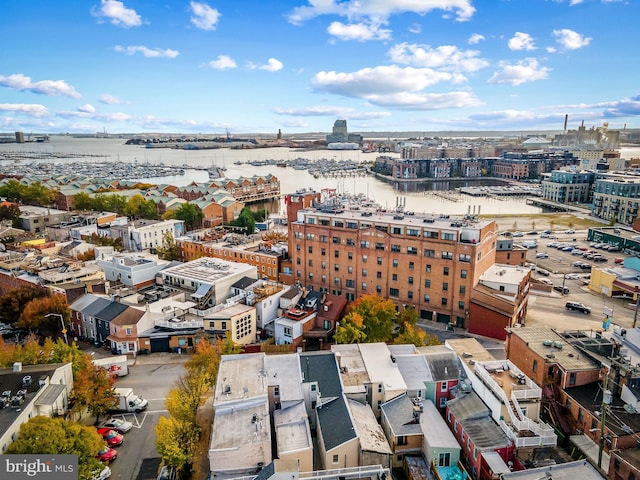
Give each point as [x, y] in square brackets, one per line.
[565, 262]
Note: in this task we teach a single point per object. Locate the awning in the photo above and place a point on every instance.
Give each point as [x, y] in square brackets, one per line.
[202, 291]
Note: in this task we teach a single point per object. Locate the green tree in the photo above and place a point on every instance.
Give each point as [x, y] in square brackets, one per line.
[246, 221]
[13, 191]
[408, 315]
[83, 201]
[190, 214]
[47, 435]
[140, 207]
[170, 250]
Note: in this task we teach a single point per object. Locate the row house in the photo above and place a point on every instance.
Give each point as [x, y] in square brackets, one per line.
[146, 235]
[429, 262]
[251, 189]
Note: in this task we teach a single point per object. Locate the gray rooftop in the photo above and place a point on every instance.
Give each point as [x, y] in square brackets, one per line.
[334, 421]
[581, 469]
[399, 414]
[321, 367]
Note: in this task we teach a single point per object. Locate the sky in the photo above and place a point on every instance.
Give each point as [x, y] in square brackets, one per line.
[259, 66]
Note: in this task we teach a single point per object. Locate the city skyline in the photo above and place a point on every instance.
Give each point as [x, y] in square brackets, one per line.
[408, 65]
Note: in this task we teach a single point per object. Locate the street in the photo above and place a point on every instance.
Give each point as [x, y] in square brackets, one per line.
[152, 377]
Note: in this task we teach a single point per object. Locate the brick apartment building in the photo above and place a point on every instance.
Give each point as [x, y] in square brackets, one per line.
[428, 262]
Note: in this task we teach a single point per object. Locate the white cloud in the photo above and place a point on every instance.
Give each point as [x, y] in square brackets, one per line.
[147, 52]
[524, 71]
[88, 108]
[109, 99]
[272, 65]
[514, 119]
[521, 41]
[575, 2]
[204, 17]
[551, 49]
[19, 81]
[571, 40]
[445, 57]
[117, 14]
[415, 28]
[380, 10]
[358, 31]
[475, 39]
[379, 81]
[330, 111]
[30, 109]
[223, 62]
[93, 115]
[425, 101]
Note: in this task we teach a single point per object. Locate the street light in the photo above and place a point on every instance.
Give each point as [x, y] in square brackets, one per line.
[64, 329]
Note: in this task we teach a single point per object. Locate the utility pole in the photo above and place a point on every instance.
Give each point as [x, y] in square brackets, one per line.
[606, 400]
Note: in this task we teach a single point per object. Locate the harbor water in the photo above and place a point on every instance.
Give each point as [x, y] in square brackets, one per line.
[436, 198]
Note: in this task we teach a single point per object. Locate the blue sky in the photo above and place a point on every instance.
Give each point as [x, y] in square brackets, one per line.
[298, 65]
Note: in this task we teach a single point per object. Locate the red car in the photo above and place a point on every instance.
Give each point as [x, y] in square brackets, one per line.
[107, 455]
[112, 437]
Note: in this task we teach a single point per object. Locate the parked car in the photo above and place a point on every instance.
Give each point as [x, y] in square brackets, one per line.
[618, 261]
[570, 231]
[107, 455]
[600, 259]
[542, 271]
[578, 307]
[517, 234]
[542, 255]
[102, 474]
[113, 438]
[561, 289]
[571, 276]
[120, 426]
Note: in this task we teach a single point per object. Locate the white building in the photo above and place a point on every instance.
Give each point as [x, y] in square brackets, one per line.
[45, 391]
[130, 269]
[146, 234]
[207, 280]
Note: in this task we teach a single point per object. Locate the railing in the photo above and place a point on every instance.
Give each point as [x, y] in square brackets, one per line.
[516, 405]
[351, 473]
[179, 324]
[228, 302]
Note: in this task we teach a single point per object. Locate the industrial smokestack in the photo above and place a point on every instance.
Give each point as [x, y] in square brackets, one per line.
[566, 119]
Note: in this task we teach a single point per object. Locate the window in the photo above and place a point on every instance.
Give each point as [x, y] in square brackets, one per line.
[409, 294]
[313, 387]
[412, 232]
[463, 274]
[311, 263]
[444, 301]
[364, 244]
[410, 280]
[350, 284]
[378, 274]
[443, 402]
[336, 254]
[427, 269]
[429, 253]
[572, 378]
[444, 459]
[412, 251]
[323, 252]
[363, 286]
[464, 258]
[349, 269]
[364, 259]
[534, 367]
[379, 260]
[463, 289]
[276, 391]
[351, 242]
[447, 255]
[445, 286]
[461, 305]
[395, 248]
[411, 265]
[445, 271]
[379, 246]
[394, 277]
[323, 265]
[336, 240]
[427, 283]
[364, 272]
[335, 459]
[350, 255]
[402, 440]
[427, 298]
[336, 267]
[394, 292]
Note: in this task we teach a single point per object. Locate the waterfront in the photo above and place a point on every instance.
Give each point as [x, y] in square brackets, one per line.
[100, 150]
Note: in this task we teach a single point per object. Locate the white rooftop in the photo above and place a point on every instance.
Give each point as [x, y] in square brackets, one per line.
[372, 438]
[209, 270]
[292, 429]
[240, 377]
[381, 369]
[284, 371]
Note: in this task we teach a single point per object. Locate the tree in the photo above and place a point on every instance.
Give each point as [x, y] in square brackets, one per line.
[34, 316]
[9, 212]
[378, 317]
[206, 359]
[412, 334]
[351, 329]
[47, 435]
[93, 388]
[170, 250]
[246, 221]
[13, 302]
[408, 315]
[140, 207]
[83, 201]
[190, 214]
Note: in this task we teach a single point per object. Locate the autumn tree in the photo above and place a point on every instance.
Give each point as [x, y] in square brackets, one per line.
[48, 435]
[36, 315]
[139, 207]
[206, 358]
[13, 302]
[408, 315]
[9, 212]
[378, 317]
[170, 250]
[92, 388]
[350, 329]
[415, 335]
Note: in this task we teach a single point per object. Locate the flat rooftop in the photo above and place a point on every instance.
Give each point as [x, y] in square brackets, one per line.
[292, 429]
[352, 370]
[541, 340]
[240, 377]
[208, 270]
[284, 371]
